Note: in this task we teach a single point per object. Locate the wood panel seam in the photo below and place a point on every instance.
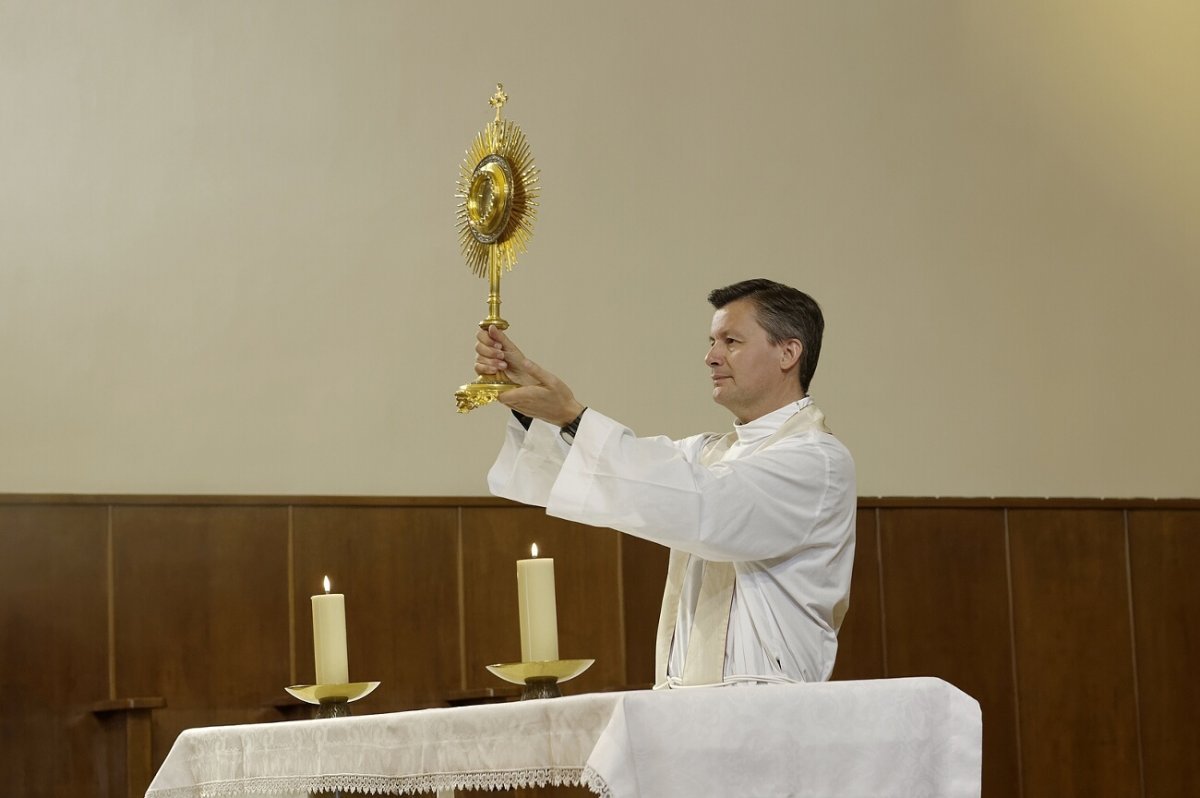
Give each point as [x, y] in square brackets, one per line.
[1137, 699]
[621, 641]
[1012, 647]
[110, 576]
[882, 609]
[291, 596]
[462, 603]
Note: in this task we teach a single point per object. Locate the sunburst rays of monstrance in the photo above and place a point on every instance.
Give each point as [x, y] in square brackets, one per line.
[497, 193]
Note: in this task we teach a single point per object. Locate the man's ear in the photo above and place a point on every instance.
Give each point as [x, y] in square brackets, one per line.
[789, 353]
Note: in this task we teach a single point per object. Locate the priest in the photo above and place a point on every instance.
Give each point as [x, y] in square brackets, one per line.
[759, 520]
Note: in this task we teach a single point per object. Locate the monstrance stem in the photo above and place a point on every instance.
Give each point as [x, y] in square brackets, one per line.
[494, 292]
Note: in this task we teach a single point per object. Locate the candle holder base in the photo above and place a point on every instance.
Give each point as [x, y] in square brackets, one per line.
[331, 700]
[332, 708]
[541, 679]
[541, 687]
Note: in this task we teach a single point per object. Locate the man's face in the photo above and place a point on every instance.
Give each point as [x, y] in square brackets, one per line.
[748, 372]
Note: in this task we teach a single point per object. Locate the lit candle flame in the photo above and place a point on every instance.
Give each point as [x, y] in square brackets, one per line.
[533, 550]
[326, 584]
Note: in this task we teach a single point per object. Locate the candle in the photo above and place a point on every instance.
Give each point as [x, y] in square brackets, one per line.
[329, 637]
[536, 605]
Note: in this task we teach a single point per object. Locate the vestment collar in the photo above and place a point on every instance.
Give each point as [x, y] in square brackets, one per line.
[765, 426]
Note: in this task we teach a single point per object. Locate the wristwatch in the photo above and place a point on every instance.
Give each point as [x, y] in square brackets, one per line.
[568, 430]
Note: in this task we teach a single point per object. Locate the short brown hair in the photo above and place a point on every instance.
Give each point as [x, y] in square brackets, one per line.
[784, 312]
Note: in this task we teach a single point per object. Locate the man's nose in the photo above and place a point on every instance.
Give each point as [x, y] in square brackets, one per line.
[712, 358]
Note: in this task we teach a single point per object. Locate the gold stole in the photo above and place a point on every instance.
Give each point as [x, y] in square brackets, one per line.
[704, 661]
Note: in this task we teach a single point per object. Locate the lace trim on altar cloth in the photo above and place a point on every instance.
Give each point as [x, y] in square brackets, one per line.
[594, 782]
[393, 785]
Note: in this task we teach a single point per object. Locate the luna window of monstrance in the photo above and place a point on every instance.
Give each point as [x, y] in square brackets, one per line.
[497, 205]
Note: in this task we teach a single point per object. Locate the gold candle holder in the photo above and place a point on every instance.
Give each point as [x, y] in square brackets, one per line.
[331, 700]
[541, 679]
[497, 192]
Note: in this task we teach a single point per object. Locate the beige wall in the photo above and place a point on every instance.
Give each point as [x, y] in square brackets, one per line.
[228, 261]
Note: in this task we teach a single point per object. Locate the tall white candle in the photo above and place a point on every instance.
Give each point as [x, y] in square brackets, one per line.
[537, 608]
[329, 637]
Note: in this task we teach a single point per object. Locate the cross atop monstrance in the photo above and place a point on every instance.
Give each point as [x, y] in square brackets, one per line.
[497, 192]
[498, 99]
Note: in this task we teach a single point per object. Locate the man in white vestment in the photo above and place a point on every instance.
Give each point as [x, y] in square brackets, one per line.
[760, 520]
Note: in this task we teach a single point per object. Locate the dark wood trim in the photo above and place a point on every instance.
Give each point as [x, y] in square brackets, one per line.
[864, 502]
[1016, 502]
[240, 500]
[128, 704]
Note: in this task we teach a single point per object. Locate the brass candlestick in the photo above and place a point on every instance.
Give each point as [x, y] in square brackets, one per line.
[497, 192]
[331, 700]
[540, 679]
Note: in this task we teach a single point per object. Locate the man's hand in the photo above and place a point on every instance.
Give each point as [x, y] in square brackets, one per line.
[541, 395]
[495, 353]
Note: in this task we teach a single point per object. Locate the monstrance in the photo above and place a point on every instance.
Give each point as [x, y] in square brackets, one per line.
[497, 192]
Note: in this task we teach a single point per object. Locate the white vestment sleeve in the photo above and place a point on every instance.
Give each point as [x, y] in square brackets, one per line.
[528, 463]
[753, 508]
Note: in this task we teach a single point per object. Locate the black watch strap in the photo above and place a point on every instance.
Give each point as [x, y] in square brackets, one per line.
[568, 430]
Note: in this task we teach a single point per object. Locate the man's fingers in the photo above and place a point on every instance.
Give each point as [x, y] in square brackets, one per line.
[490, 357]
[496, 333]
[537, 372]
[489, 352]
[501, 340]
[515, 397]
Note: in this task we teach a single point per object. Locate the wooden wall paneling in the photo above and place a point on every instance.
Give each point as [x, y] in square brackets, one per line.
[946, 610]
[586, 581]
[201, 619]
[493, 539]
[860, 640]
[54, 644]
[129, 731]
[1164, 549]
[643, 577]
[1074, 653]
[398, 568]
[201, 616]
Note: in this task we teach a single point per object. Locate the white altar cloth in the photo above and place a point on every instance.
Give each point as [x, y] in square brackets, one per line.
[886, 739]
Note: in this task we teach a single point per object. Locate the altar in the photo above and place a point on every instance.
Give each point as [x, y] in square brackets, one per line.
[886, 738]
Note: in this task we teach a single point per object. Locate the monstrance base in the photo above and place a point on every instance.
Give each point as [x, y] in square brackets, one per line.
[483, 391]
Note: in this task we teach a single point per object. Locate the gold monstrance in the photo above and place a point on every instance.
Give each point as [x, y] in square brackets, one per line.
[497, 189]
